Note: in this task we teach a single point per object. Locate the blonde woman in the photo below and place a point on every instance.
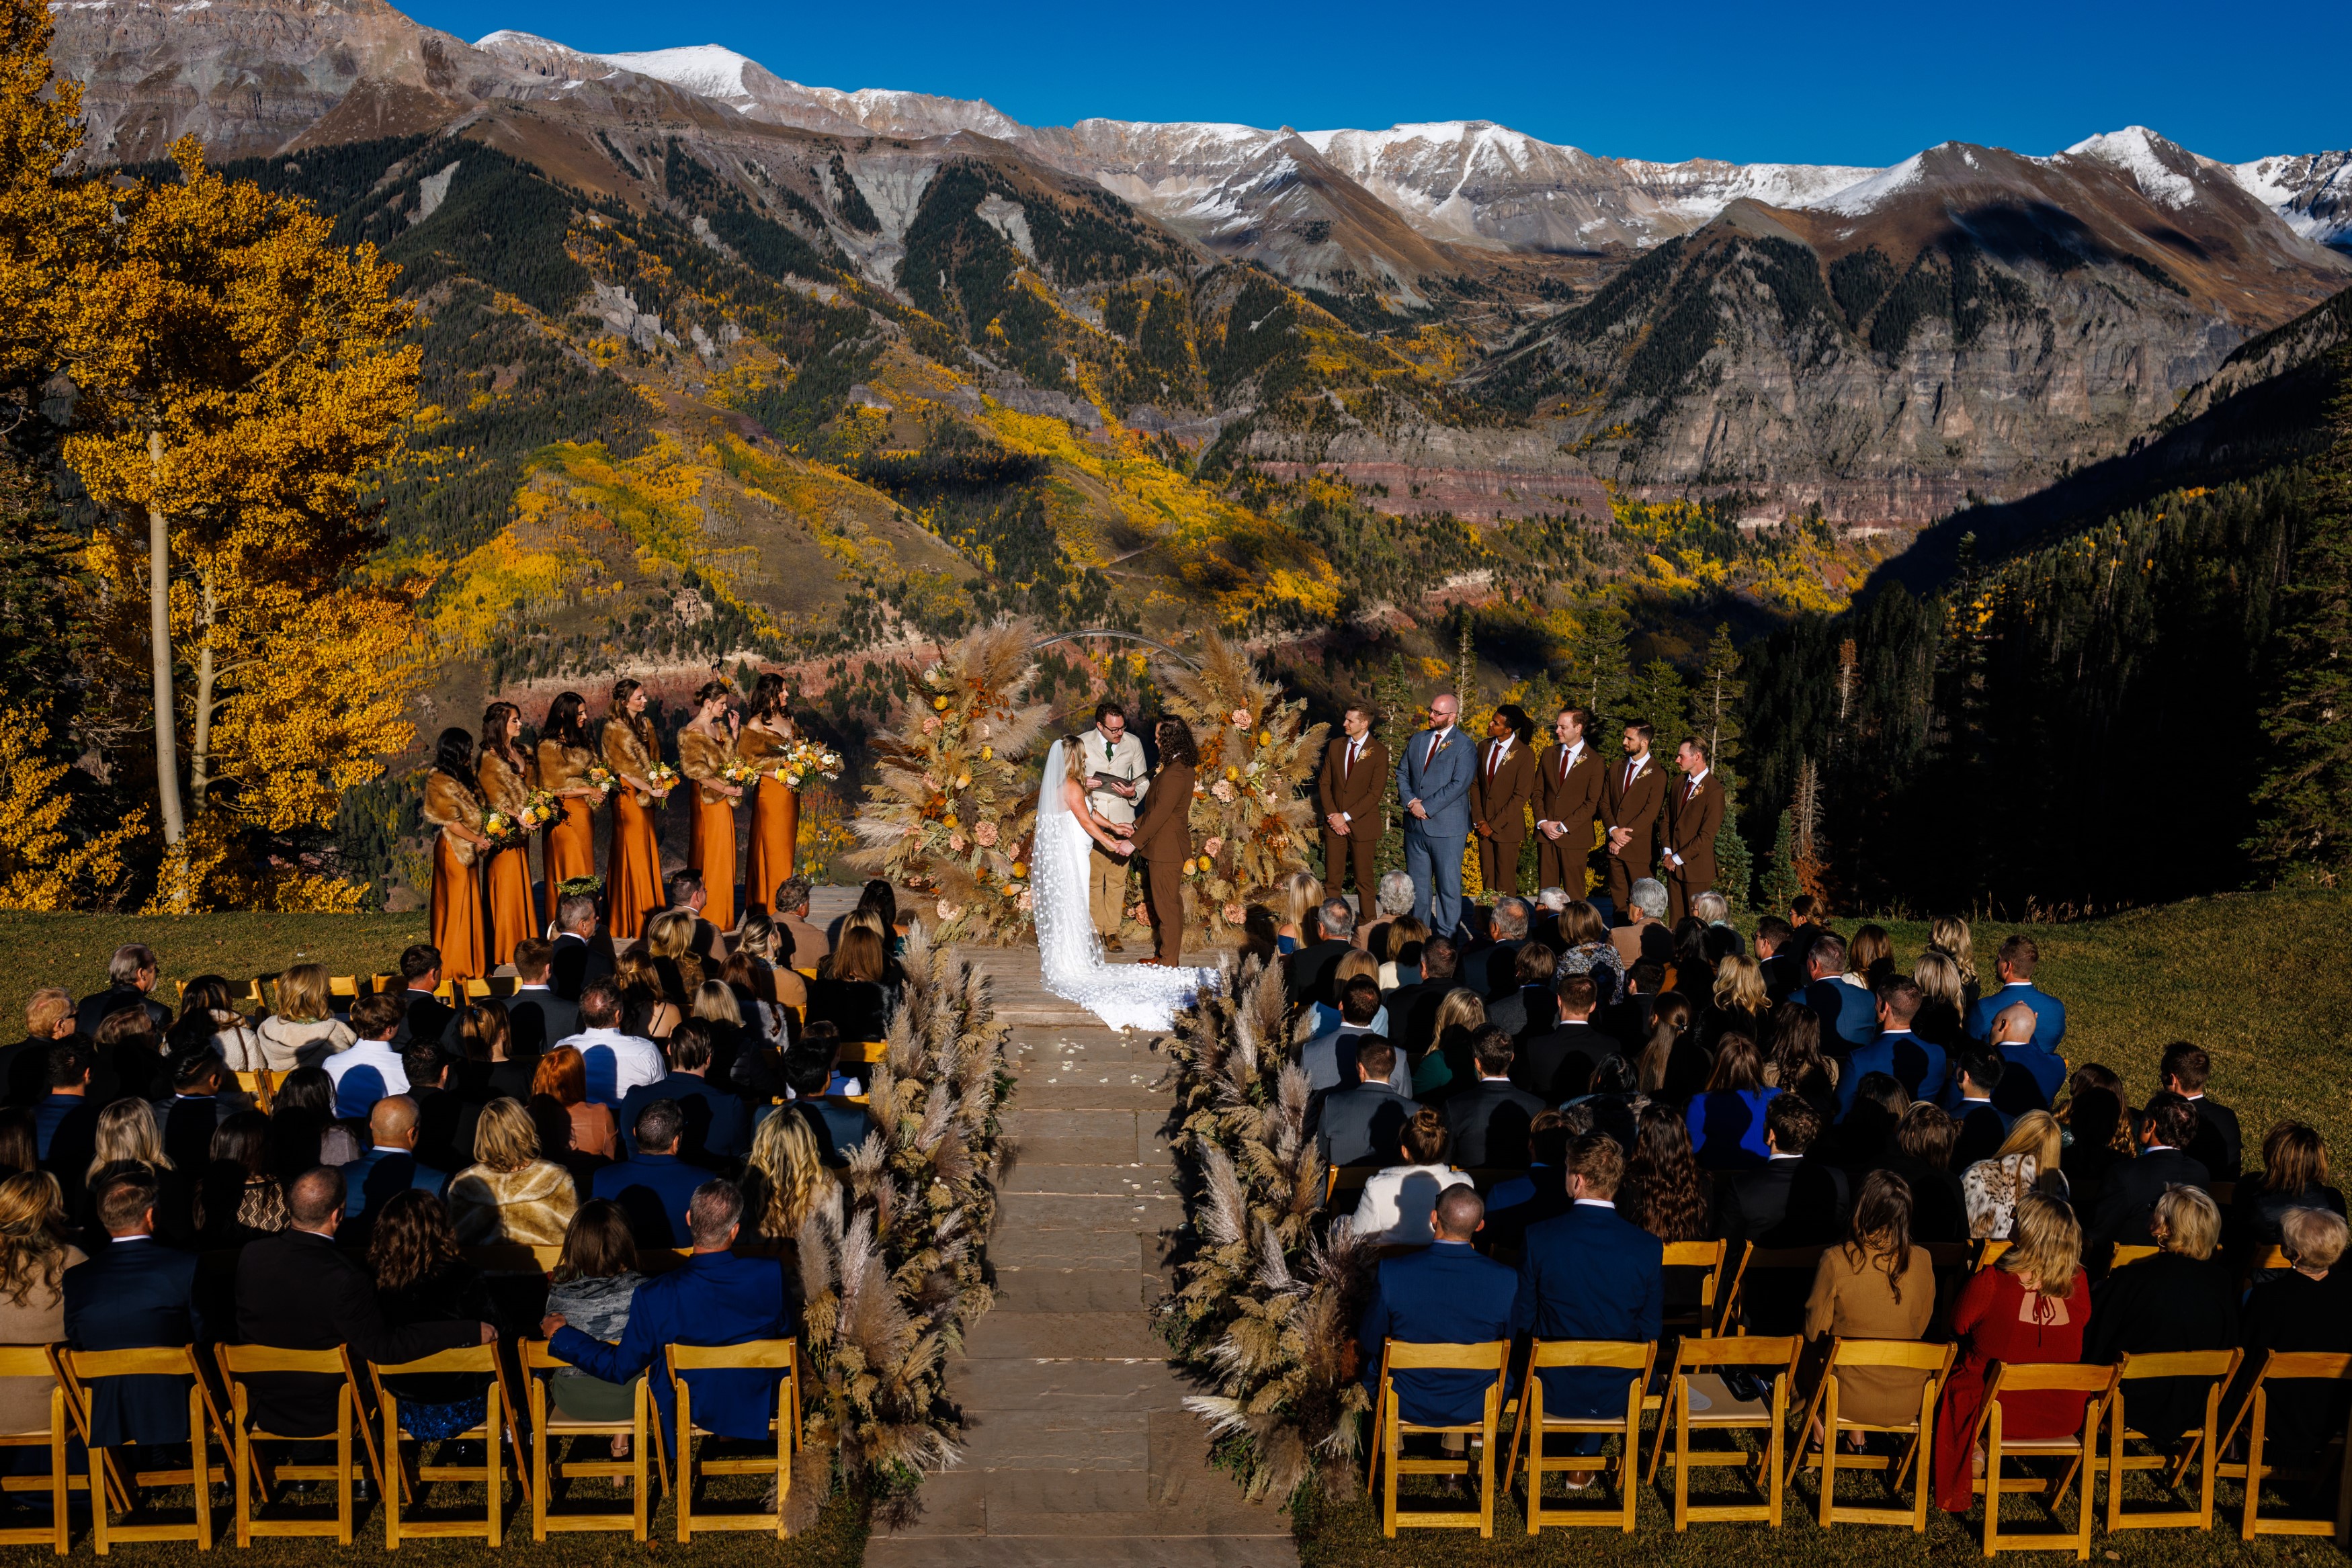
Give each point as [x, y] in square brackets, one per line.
[34, 1258]
[2027, 1161]
[1297, 896]
[670, 938]
[509, 1194]
[788, 1175]
[1353, 964]
[2179, 1299]
[1948, 938]
[127, 1134]
[1943, 1003]
[1402, 938]
[1460, 1015]
[302, 1019]
[775, 982]
[2034, 1305]
[1736, 1003]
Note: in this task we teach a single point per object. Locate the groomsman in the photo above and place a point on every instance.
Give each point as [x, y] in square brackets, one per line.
[1632, 794]
[1432, 781]
[1694, 813]
[1498, 799]
[1115, 782]
[1568, 803]
[1355, 769]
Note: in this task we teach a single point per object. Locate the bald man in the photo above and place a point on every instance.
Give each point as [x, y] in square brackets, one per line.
[2032, 1074]
[388, 1168]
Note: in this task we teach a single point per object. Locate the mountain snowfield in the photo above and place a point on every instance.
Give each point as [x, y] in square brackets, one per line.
[1461, 180]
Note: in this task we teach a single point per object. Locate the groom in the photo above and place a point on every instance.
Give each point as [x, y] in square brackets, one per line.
[1434, 785]
[1163, 838]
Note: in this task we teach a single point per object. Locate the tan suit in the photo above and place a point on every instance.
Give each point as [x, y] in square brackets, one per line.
[1107, 872]
[1499, 792]
[1635, 807]
[1358, 790]
[1569, 795]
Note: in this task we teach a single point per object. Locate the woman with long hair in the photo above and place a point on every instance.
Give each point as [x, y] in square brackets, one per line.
[1948, 938]
[633, 882]
[787, 1175]
[301, 1021]
[569, 851]
[1585, 949]
[209, 1021]
[1672, 1067]
[509, 1193]
[238, 1200]
[1943, 1003]
[1663, 1190]
[768, 729]
[562, 1076]
[705, 746]
[458, 926]
[1727, 1118]
[1737, 1002]
[1871, 954]
[2294, 1176]
[1445, 1065]
[127, 1136]
[303, 1130]
[1299, 894]
[2027, 1160]
[1875, 1285]
[1796, 1063]
[590, 1289]
[504, 774]
[33, 1257]
[421, 1277]
[2032, 1306]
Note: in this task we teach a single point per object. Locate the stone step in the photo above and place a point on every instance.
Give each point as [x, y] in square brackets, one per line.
[1130, 1550]
[1122, 1336]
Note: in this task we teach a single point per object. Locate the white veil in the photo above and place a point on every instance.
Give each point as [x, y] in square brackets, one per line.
[1049, 788]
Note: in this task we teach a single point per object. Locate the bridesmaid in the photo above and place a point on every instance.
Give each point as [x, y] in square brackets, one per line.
[704, 748]
[776, 811]
[565, 759]
[504, 775]
[451, 805]
[633, 883]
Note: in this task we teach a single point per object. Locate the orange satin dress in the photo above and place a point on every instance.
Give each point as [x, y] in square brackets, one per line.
[710, 847]
[513, 918]
[632, 882]
[775, 822]
[570, 847]
[458, 928]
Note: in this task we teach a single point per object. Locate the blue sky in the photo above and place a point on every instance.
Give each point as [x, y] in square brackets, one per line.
[1833, 83]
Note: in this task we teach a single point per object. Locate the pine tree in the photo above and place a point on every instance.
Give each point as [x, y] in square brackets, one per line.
[1394, 711]
[1714, 719]
[1780, 885]
[1465, 666]
[1659, 699]
[1599, 673]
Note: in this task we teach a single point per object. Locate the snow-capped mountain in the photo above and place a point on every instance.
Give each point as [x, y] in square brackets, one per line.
[2312, 191]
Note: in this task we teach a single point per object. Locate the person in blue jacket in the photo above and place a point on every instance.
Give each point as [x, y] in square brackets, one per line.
[1849, 1014]
[2015, 964]
[1589, 1274]
[1917, 1064]
[1446, 1294]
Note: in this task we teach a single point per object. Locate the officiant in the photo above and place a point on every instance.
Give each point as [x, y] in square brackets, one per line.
[1117, 780]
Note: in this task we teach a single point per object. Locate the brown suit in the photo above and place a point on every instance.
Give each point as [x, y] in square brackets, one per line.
[1692, 821]
[1635, 809]
[1575, 803]
[1358, 792]
[1163, 841]
[1499, 798]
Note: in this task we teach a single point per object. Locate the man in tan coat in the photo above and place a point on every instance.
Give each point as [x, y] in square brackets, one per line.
[1568, 803]
[1499, 793]
[1354, 777]
[1114, 785]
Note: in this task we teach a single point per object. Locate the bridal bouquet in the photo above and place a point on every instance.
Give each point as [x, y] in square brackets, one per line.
[661, 779]
[803, 760]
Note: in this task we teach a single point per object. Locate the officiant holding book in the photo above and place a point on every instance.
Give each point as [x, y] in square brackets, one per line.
[1117, 782]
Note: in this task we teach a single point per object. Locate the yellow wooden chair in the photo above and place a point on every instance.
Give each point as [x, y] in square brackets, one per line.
[547, 1429]
[205, 1428]
[1935, 1362]
[1702, 1255]
[2220, 1366]
[1990, 1253]
[1393, 1428]
[2253, 1416]
[1755, 1263]
[38, 1361]
[2125, 1256]
[491, 1433]
[2080, 1452]
[1633, 1356]
[343, 987]
[777, 1354]
[1343, 1186]
[239, 1361]
[1699, 1399]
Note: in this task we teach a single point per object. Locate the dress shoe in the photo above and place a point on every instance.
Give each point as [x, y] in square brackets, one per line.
[1113, 944]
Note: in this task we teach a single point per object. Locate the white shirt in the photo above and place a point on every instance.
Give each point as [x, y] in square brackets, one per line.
[376, 1054]
[1608, 1203]
[1398, 1201]
[1502, 752]
[1436, 739]
[636, 1062]
[1348, 765]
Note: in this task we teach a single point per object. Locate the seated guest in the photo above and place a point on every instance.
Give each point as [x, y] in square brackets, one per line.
[850, 995]
[1401, 959]
[128, 1056]
[2217, 1145]
[1943, 1003]
[135, 1293]
[1645, 936]
[423, 1016]
[2294, 1176]
[20, 1146]
[1558, 1065]
[303, 1130]
[1446, 1066]
[539, 1016]
[238, 1199]
[1488, 1120]
[1787, 1201]
[1629, 1019]
[2179, 1299]
[486, 1067]
[389, 1168]
[715, 1298]
[785, 1181]
[2015, 965]
[718, 1129]
[1921, 1153]
[653, 1186]
[1353, 964]
[1727, 1119]
[1397, 1201]
[1911, 1061]
[128, 1140]
[2031, 1074]
[720, 1012]
[2032, 1306]
[1736, 1002]
[1492, 970]
[509, 1194]
[590, 1288]
[840, 1125]
[1670, 1065]
[1876, 1285]
[1359, 1124]
[1844, 1002]
[1861, 1137]
[299, 1290]
[24, 1064]
[1520, 1201]
[203, 1096]
[2099, 1138]
[302, 1028]
[615, 1062]
[670, 946]
[1392, 901]
[34, 1258]
[1297, 894]
[805, 947]
[370, 1067]
[562, 1076]
[1310, 967]
[447, 1121]
[1976, 1072]
[1585, 949]
[422, 1279]
[1329, 1060]
[130, 974]
[2026, 1161]
[1412, 1010]
[1523, 1009]
[1443, 1294]
[209, 1022]
[578, 957]
[2126, 1211]
[1784, 973]
[2305, 1308]
[1589, 1274]
[1663, 1189]
[1796, 1063]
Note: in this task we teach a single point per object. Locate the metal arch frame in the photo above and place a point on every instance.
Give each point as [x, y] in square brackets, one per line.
[1122, 636]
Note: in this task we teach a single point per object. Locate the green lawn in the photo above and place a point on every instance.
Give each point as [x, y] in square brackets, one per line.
[71, 950]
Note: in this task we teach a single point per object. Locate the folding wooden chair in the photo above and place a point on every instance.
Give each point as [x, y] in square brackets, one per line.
[342, 987]
[86, 1367]
[1919, 1458]
[1343, 1186]
[1705, 1255]
[1990, 1253]
[239, 1361]
[2124, 1256]
[1759, 1262]
[1394, 1428]
[2080, 1452]
[491, 1430]
[2253, 1416]
[547, 1428]
[38, 1360]
[261, 1086]
[2220, 1366]
[1697, 1398]
[1534, 1426]
[777, 1354]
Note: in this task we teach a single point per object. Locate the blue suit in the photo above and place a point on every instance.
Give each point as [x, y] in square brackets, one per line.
[2048, 1013]
[1432, 845]
[1444, 1294]
[1849, 1014]
[716, 1122]
[134, 1295]
[1588, 1274]
[716, 1299]
[653, 1191]
[383, 1173]
[1916, 1064]
[2045, 1068]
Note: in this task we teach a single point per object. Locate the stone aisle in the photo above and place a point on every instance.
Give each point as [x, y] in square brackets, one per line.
[1078, 1448]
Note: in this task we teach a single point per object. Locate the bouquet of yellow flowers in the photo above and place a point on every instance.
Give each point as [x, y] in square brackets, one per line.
[661, 777]
[601, 778]
[805, 760]
[739, 771]
[504, 832]
[541, 808]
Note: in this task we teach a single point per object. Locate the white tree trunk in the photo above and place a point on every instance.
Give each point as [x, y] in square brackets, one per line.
[159, 637]
[200, 754]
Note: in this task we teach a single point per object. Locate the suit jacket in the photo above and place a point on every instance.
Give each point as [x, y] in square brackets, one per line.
[1523, 1012]
[1781, 1203]
[2128, 1204]
[1364, 1124]
[1636, 808]
[1691, 825]
[1329, 1060]
[1310, 971]
[1588, 1274]
[1489, 1122]
[2217, 1145]
[653, 1191]
[95, 1010]
[714, 1298]
[2029, 1080]
[1443, 1294]
[1573, 801]
[809, 943]
[1356, 792]
[576, 962]
[542, 1017]
[424, 1017]
[718, 1127]
[2048, 1013]
[1164, 829]
[1915, 1063]
[1559, 1066]
[1849, 1014]
[1500, 800]
[134, 1295]
[1441, 783]
[301, 1292]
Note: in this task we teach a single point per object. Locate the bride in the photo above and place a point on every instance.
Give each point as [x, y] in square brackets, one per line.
[1124, 996]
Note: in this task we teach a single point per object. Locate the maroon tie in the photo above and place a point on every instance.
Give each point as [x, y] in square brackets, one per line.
[1563, 763]
[1348, 769]
[1629, 776]
[1426, 755]
[1494, 760]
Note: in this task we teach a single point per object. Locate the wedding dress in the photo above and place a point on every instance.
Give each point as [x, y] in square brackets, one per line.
[1069, 953]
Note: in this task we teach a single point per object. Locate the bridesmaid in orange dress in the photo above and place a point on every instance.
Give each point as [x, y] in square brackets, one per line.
[776, 811]
[451, 805]
[565, 759]
[632, 882]
[704, 749]
[503, 773]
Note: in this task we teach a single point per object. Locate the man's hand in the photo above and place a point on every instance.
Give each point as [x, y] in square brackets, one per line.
[1339, 821]
[490, 1332]
[1550, 830]
[1484, 830]
[546, 1325]
[1122, 847]
[1417, 808]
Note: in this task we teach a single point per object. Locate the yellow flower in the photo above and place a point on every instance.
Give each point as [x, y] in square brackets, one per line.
[1208, 864]
[948, 820]
[1233, 773]
[940, 703]
[1021, 869]
[1263, 739]
[987, 753]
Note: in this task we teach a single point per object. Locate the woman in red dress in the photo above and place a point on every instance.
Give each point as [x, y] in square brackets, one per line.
[2032, 1306]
